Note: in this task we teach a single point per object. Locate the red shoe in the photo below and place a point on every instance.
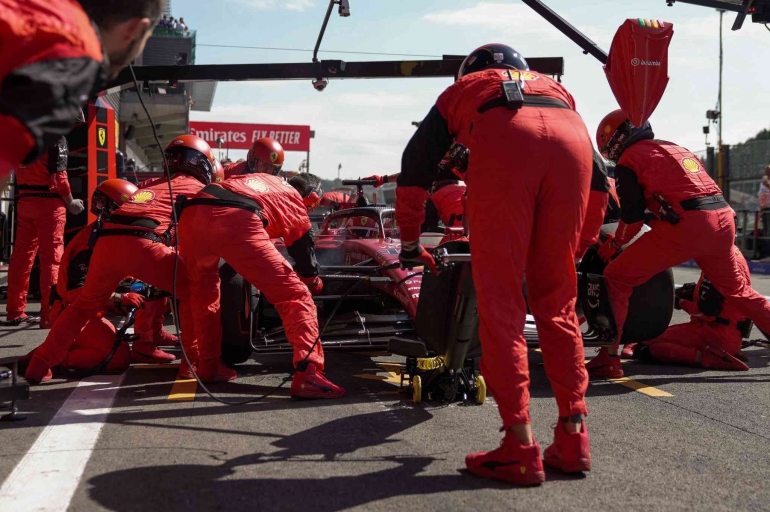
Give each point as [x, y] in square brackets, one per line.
[512, 462]
[45, 323]
[570, 453]
[214, 370]
[184, 371]
[146, 353]
[313, 384]
[604, 366]
[38, 371]
[165, 339]
[628, 351]
[716, 358]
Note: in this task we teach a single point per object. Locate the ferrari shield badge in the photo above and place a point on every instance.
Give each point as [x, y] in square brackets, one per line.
[143, 196]
[101, 133]
[257, 185]
[637, 66]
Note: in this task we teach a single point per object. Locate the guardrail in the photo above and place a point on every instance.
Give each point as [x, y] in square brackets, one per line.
[752, 233]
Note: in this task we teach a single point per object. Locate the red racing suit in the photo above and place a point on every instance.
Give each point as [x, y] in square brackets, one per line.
[705, 231]
[598, 200]
[133, 243]
[713, 321]
[52, 62]
[335, 200]
[235, 169]
[446, 204]
[235, 220]
[525, 214]
[41, 216]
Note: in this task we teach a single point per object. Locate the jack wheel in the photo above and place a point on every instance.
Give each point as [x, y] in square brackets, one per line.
[417, 389]
[481, 390]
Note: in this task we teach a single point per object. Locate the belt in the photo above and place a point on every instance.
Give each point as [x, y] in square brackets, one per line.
[738, 325]
[42, 191]
[530, 100]
[149, 235]
[224, 199]
[136, 222]
[32, 187]
[715, 202]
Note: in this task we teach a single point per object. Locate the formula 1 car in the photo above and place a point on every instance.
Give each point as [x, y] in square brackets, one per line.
[370, 302]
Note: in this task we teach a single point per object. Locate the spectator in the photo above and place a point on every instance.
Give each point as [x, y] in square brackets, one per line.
[182, 26]
[163, 23]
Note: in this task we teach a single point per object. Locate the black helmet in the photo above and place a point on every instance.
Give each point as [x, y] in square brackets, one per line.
[492, 56]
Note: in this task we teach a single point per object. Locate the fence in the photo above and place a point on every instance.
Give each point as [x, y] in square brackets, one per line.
[742, 169]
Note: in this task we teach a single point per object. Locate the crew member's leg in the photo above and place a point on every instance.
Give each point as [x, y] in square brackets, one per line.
[94, 344]
[51, 218]
[22, 259]
[697, 343]
[144, 350]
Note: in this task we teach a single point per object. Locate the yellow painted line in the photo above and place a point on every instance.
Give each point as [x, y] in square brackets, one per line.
[391, 378]
[640, 387]
[183, 390]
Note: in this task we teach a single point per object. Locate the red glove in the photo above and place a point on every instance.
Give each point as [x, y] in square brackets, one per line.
[417, 257]
[609, 249]
[124, 301]
[381, 180]
[315, 284]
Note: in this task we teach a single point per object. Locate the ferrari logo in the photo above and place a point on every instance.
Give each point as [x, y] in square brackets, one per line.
[273, 156]
[691, 165]
[257, 185]
[101, 133]
[364, 221]
[143, 196]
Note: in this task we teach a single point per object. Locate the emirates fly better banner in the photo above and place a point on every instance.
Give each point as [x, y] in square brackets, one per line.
[240, 135]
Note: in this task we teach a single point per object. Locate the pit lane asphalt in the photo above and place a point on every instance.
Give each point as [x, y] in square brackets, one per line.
[704, 448]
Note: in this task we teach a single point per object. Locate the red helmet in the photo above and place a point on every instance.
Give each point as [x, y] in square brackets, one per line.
[614, 133]
[219, 172]
[265, 156]
[188, 154]
[111, 194]
[492, 56]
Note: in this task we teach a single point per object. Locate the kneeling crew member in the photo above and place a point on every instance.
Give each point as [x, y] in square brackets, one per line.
[714, 336]
[135, 242]
[515, 116]
[693, 222]
[235, 220]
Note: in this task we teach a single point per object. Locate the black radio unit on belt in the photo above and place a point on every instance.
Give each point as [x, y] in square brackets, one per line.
[514, 97]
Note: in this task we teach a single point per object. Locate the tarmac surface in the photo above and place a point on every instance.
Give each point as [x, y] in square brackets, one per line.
[682, 439]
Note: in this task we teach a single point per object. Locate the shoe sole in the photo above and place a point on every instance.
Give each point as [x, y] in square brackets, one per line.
[578, 466]
[534, 479]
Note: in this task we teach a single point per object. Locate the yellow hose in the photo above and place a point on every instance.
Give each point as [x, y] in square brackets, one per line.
[431, 363]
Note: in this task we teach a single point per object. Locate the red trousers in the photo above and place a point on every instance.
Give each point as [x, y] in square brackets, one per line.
[207, 234]
[528, 184]
[705, 236]
[114, 258]
[40, 226]
[681, 343]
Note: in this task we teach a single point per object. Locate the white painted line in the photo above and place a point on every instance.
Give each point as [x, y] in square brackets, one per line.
[46, 478]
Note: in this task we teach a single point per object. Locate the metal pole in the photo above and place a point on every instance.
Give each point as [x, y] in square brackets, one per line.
[307, 164]
[721, 156]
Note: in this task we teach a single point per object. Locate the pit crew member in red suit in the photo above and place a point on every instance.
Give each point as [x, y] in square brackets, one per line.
[693, 222]
[714, 336]
[235, 220]
[135, 242]
[54, 58]
[598, 199]
[97, 338]
[43, 197]
[542, 207]
[265, 156]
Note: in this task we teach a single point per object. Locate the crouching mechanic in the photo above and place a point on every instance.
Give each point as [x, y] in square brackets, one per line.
[43, 197]
[714, 336]
[516, 115]
[693, 222]
[235, 220]
[135, 242]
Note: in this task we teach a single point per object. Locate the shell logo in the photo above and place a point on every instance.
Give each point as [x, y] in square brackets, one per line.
[691, 165]
[524, 76]
[257, 185]
[143, 196]
[273, 156]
